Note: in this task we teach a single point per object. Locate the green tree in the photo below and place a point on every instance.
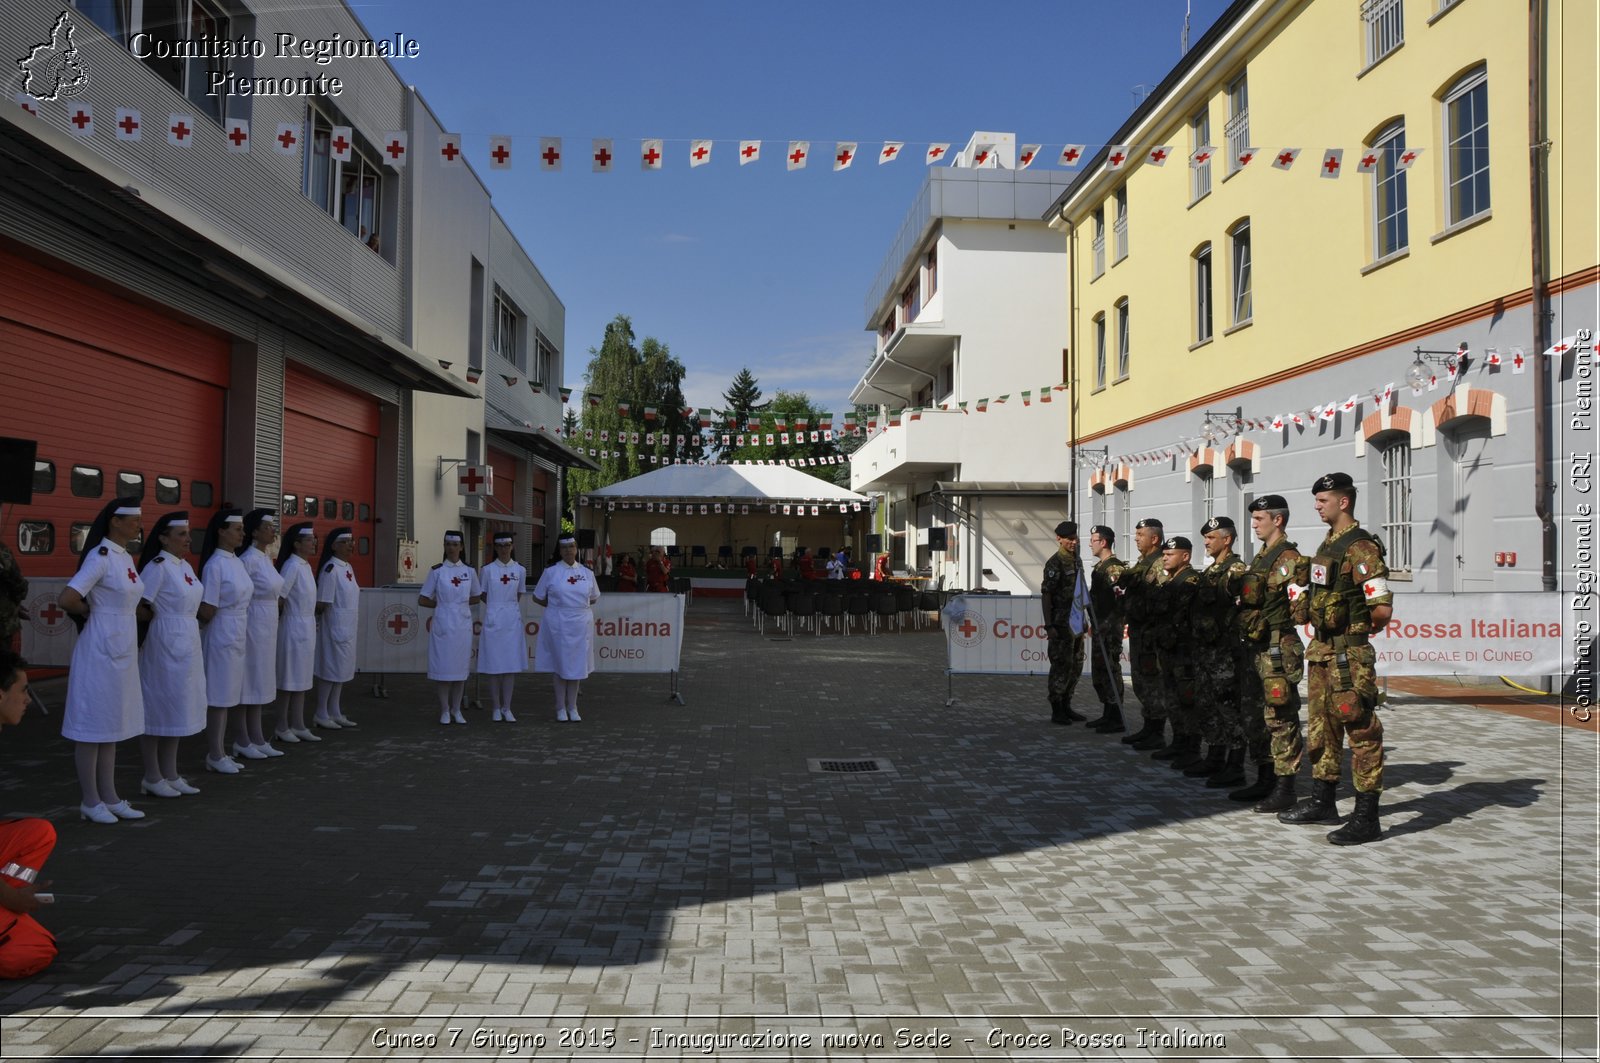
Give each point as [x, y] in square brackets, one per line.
[790, 407]
[742, 395]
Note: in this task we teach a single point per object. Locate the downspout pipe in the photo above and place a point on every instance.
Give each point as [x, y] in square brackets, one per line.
[1543, 488]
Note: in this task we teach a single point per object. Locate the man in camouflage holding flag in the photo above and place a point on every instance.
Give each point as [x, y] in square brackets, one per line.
[1348, 599]
[1064, 597]
[1105, 651]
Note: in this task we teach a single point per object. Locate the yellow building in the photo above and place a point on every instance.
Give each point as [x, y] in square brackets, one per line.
[1237, 286]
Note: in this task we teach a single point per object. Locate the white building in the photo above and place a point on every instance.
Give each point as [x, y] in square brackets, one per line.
[968, 307]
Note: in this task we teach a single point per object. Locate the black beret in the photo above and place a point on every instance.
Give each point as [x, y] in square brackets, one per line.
[1104, 532]
[1218, 524]
[1334, 481]
[1269, 502]
[1149, 522]
[1177, 542]
[1067, 529]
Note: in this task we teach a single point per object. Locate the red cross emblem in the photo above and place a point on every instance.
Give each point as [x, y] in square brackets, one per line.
[748, 150]
[1070, 155]
[967, 628]
[700, 153]
[1245, 157]
[133, 577]
[1369, 589]
[181, 131]
[797, 156]
[500, 154]
[1516, 359]
[1286, 158]
[505, 578]
[81, 118]
[51, 613]
[889, 151]
[1027, 157]
[1408, 158]
[934, 153]
[397, 624]
[980, 158]
[351, 576]
[340, 145]
[188, 579]
[471, 479]
[550, 156]
[1331, 164]
[1369, 161]
[1204, 156]
[1158, 156]
[844, 157]
[449, 150]
[1561, 348]
[574, 579]
[30, 108]
[1116, 160]
[603, 157]
[652, 155]
[238, 135]
[455, 581]
[395, 149]
[128, 124]
[287, 139]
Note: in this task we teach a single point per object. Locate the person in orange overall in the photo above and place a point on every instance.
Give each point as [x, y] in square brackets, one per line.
[26, 948]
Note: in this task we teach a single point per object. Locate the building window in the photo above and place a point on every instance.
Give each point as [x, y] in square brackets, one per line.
[910, 302]
[1097, 500]
[36, 537]
[1397, 504]
[87, 481]
[1199, 136]
[1099, 350]
[505, 340]
[350, 192]
[1389, 230]
[1385, 26]
[109, 15]
[200, 494]
[130, 484]
[1124, 508]
[930, 283]
[1202, 294]
[1206, 483]
[1238, 128]
[1466, 129]
[1099, 243]
[1119, 227]
[44, 477]
[1122, 340]
[291, 505]
[166, 27]
[169, 490]
[1239, 240]
[544, 360]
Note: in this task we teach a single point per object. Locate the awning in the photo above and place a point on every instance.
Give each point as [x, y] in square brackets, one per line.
[969, 488]
[539, 440]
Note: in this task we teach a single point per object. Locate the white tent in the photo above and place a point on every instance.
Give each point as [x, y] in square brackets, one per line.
[737, 483]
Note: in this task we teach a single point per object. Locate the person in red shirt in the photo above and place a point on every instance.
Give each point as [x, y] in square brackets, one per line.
[627, 574]
[26, 948]
[880, 570]
[807, 567]
[656, 570]
[750, 567]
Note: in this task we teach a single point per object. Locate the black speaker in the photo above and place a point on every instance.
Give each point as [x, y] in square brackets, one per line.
[874, 544]
[936, 538]
[585, 538]
[16, 469]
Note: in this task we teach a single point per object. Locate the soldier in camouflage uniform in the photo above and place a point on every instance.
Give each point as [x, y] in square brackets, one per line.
[1064, 596]
[1270, 677]
[1348, 599]
[1105, 650]
[1174, 604]
[1138, 586]
[13, 592]
[1215, 622]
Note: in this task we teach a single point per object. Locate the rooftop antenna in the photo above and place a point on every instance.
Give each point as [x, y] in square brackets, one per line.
[1140, 91]
[1187, 8]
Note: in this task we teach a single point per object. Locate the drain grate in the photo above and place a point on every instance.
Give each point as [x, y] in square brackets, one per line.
[850, 767]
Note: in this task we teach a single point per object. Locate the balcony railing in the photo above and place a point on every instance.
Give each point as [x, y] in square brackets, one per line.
[1385, 27]
[1238, 133]
[1119, 229]
[1099, 246]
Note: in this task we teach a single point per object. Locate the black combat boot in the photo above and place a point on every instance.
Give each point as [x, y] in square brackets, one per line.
[1190, 756]
[1216, 756]
[1151, 727]
[1281, 799]
[1362, 826]
[1266, 779]
[1232, 771]
[1154, 740]
[1071, 715]
[1094, 724]
[1318, 808]
[1111, 723]
[1171, 750]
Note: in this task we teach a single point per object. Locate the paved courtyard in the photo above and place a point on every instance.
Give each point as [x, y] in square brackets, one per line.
[665, 881]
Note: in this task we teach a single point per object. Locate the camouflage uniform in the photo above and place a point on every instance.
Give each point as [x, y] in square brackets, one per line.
[13, 592]
[1264, 627]
[1141, 581]
[1216, 651]
[1062, 578]
[1105, 668]
[1347, 577]
[1175, 602]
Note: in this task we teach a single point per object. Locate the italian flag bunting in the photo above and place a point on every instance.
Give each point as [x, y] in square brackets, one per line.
[566, 394]
[1027, 398]
[623, 408]
[649, 413]
[983, 405]
[594, 400]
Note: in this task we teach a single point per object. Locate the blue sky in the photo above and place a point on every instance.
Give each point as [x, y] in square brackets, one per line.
[733, 266]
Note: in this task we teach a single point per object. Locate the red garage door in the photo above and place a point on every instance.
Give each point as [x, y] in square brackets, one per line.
[330, 458]
[123, 400]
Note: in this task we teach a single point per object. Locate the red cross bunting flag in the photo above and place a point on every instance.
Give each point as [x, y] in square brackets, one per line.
[1407, 158]
[499, 152]
[1158, 155]
[1201, 156]
[1116, 156]
[650, 156]
[1561, 346]
[1493, 357]
[1028, 154]
[342, 144]
[1519, 360]
[749, 151]
[699, 153]
[1072, 154]
[799, 151]
[237, 138]
[844, 153]
[180, 130]
[128, 125]
[396, 147]
[27, 104]
[1332, 163]
[600, 154]
[549, 153]
[286, 141]
[450, 149]
[1245, 155]
[475, 480]
[890, 151]
[1285, 158]
[80, 118]
[1368, 162]
[1349, 405]
[936, 152]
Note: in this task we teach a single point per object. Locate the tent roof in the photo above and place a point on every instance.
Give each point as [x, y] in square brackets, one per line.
[740, 482]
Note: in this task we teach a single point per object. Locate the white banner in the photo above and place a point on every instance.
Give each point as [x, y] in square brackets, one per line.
[633, 632]
[996, 634]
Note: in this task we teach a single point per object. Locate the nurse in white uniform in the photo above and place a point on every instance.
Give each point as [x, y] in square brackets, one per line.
[172, 672]
[297, 631]
[261, 644]
[104, 701]
[567, 591]
[502, 645]
[227, 592]
[451, 590]
[338, 615]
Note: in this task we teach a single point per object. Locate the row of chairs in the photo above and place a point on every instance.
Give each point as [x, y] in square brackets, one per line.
[698, 554]
[841, 604]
